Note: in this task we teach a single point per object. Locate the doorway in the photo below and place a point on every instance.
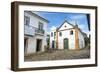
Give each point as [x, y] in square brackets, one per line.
[39, 45]
[53, 43]
[65, 43]
[25, 45]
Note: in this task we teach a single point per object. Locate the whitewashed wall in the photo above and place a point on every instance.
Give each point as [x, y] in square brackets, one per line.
[52, 37]
[44, 43]
[81, 40]
[68, 26]
[31, 45]
[35, 20]
[65, 34]
[71, 39]
[32, 40]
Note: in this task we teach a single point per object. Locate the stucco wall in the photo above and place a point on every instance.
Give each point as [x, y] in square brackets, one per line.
[65, 34]
[44, 43]
[81, 40]
[52, 38]
[68, 26]
[35, 20]
[71, 39]
[65, 30]
[32, 40]
[32, 44]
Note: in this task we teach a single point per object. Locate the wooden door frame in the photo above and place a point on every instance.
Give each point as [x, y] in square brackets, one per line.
[39, 46]
[64, 43]
[25, 47]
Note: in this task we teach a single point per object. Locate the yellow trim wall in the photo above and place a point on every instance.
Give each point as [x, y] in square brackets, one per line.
[76, 39]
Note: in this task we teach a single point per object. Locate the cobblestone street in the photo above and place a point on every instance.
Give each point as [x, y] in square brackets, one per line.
[59, 55]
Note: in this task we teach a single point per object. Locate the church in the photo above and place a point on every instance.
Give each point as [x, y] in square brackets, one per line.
[67, 36]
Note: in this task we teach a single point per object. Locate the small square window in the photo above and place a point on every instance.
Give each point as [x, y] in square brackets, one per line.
[40, 26]
[26, 20]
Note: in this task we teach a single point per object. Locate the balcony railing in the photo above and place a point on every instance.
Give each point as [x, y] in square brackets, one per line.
[31, 31]
[38, 31]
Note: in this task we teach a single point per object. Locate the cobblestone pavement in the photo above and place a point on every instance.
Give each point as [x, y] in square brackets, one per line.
[59, 55]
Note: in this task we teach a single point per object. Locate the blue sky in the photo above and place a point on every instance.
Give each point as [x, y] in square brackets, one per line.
[57, 18]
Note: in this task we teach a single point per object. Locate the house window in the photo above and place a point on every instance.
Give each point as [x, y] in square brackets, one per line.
[71, 32]
[51, 34]
[60, 34]
[54, 33]
[40, 26]
[26, 20]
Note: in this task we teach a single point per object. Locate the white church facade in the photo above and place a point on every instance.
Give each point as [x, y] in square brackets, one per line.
[67, 36]
[35, 32]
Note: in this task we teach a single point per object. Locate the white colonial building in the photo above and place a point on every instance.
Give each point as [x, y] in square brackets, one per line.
[67, 36]
[35, 28]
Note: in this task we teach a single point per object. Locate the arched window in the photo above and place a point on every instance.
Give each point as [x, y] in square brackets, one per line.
[71, 32]
[60, 34]
[51, 34]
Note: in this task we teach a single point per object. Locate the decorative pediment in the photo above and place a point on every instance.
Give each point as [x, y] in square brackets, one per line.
[65, 25]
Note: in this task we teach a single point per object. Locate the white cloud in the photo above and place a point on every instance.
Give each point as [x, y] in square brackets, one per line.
[78, 17]
[53, 28]
[72, 22]
[48, 32]
[84, 28]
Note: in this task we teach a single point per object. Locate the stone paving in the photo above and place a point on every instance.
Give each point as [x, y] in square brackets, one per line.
[59, 55]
